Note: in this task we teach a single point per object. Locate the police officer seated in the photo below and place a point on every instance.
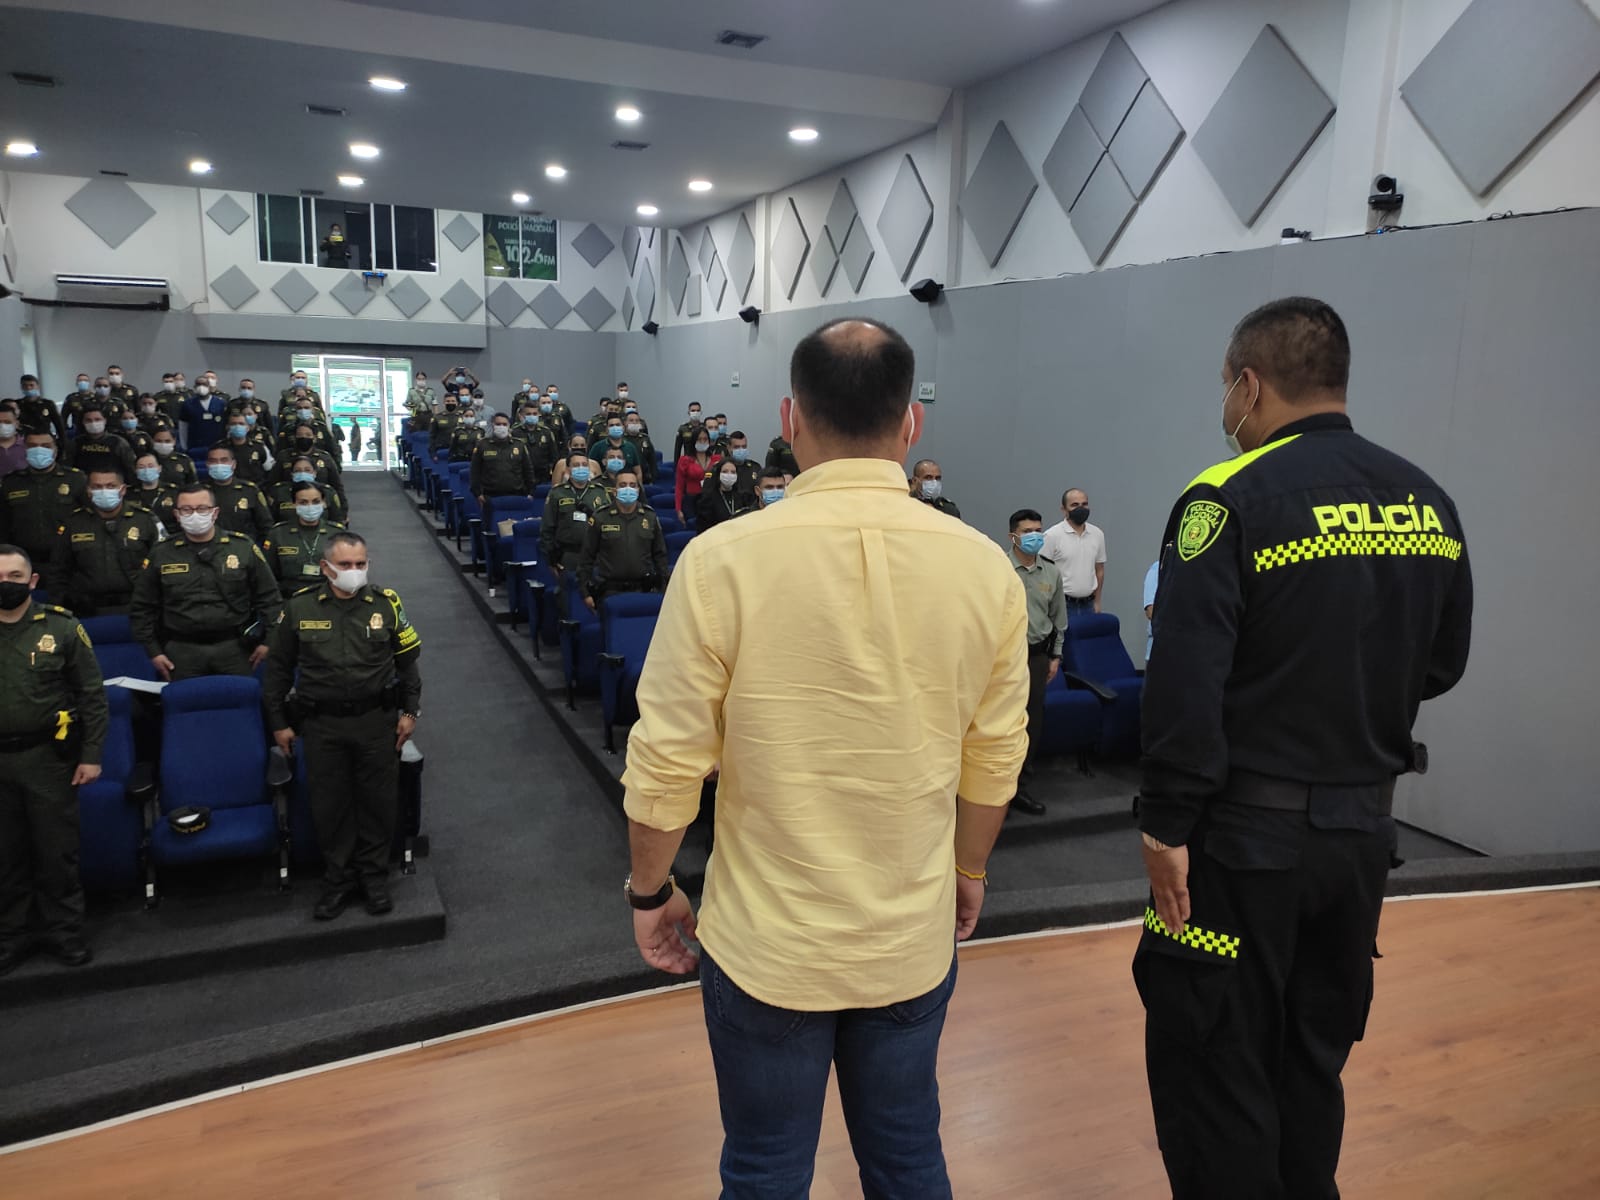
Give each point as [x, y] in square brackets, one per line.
[624, 549]
[354, 705]
[53, 721]
[102, 548]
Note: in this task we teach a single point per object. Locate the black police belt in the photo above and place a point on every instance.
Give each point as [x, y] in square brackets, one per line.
[206, 637]
[1285, 795]
[10, 743]
[311, 707]
[648, 583]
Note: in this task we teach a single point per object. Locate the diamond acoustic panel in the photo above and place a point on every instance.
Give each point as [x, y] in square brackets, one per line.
[841, 218]
[1073, 158]
[462, 299]
[824, 262]
[1265, 120]
[691, 306]
[716, 283]
[295, 290]
[1109, 94]
[1103, 208]
[352, 294]
[594, 309]
[708, 250]
[506, 303]
[550, 306]
[228, 213]
[408, 297]
[1498, 78]
[677, 274]
[789, 248]
[111, 209]
[627, 308]
[233, 285]
[630, 246]
[593, 244]
[1149, 135]
[742, 260]
[461, 232]
[647, 294]
[855, 258]
[995, 197]
[906, 218]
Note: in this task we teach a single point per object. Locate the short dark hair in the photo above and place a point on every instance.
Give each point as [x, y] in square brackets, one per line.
[853, 386]
[581, 455]
[219, 448]
[194, 489]
[7, 550]
[737, 433]
[634, 471]
[96, 406]
[771, 473]
[1021, 515]
[344, 538]
[308, 486]
[109, 468]
[1297, 344]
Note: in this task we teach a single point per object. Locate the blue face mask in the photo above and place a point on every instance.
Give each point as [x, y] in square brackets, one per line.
[580, 474]
[614, 465]
[771, 495]
[1032, 542]
[83, 385]
[740, 453]
[247, 393]
[461, 378]
[40, 458]
[250, 419]
[309, 512]
[238, 432]
[627, 495]
[304, 414]
[105, 499]
[547, 408]
[614, 430]
[148, 474]
[304, 477]
[221, 472]
[530, 418]
[31, 394]
[130, 423]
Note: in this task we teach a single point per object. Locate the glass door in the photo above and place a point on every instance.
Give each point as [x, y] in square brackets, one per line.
[365, 401]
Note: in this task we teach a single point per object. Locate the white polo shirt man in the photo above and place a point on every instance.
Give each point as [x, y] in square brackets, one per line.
[1078, 550]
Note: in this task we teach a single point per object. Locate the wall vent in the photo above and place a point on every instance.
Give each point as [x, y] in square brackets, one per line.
[29, 79]
[326, 110]
[115, 174]
[630, 145]
[745, 41]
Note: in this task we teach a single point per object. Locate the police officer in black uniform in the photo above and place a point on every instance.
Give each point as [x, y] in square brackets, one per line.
[1314, 591]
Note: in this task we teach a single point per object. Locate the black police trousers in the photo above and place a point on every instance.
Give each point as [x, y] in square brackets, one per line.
[353, 773]
[38, 846]
[1243, 1053]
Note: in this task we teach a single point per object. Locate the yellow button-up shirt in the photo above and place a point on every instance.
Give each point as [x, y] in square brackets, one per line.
[855, 660]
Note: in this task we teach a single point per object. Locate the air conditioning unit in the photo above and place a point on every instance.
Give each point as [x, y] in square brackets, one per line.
[114, 291]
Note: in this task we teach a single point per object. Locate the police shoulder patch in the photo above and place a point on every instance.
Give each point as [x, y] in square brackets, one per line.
[1199, 527]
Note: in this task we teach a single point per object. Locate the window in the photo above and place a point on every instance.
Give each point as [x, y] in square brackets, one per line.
[386, 237]
[520, 247]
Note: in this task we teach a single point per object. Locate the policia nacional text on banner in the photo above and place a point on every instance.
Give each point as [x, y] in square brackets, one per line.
[520, 247]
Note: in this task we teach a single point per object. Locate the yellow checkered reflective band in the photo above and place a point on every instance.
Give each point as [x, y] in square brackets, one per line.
[1194, 937]
[1332, 545]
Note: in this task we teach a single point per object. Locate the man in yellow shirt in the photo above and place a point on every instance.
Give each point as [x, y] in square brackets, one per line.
[856, 662]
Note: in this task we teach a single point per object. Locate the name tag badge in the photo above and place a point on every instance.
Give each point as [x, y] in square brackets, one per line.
[310, 569]
[174, 568]
[581, 516]
[82, 537]
[316, 624]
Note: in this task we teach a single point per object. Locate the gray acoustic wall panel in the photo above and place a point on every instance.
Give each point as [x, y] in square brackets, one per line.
[233, 285]
[8, 255]
[647, 294]
[295, 290]
[906, 218]
[593, 244]
[550, 306]
[824, 262]
[1542, 54]
[1073, 158]
[627, 308]
[1109, 94]
[995, 197]
[742, 260]
[461, 232]
[1149, 135]
[594, 310]
[630, 246]
[842, 213]
[716, 283]
[352, 293]
[461, 299]
[789, 248]
[228, 213]
[111, 209]
[677, 274]
[506, 303]
[1102, 210]
[1265, 120]
[408, 297]
[691, 306]
[855, 258]
[707, 251]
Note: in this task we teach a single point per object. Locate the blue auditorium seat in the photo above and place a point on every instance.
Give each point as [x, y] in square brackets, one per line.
[580, 641]
[541, 604]
[669, 521]
[517, 557]
[1094, 657]
[110, 821]
[506, 508]
[540, 492]
[676, 541]
[627, 623]
[214, 755]
[115, 650]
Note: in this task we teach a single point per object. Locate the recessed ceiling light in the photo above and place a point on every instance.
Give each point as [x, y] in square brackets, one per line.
[351, 181]
[199, 166]
[519, 197]
[699, 185]
[647, 210]
[803, 134]
[363, 150]
[555, 171]
[629, 113]
[385, 84]
[21, 149]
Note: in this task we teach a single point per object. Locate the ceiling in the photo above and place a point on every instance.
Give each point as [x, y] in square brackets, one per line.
[498, 88]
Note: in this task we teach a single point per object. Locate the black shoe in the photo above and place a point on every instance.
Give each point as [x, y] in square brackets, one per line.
[335, 899]
[1025, 803]
[12, 957]
[71, 951]
[377, 889]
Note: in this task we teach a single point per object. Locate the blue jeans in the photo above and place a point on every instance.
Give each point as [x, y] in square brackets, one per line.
[772, 1069]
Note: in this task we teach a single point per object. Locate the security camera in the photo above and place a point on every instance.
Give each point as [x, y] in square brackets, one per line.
[1386, 195]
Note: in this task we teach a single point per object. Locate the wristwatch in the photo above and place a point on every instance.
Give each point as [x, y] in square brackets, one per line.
[647, 903]
[415, 716]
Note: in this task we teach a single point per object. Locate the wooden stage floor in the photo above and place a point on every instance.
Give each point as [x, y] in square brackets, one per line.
[1480, 1077]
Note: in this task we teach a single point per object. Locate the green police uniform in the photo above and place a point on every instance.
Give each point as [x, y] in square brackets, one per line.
[749, 475]
[39, 414]
[244, 509]
[330, 478]
[53, 716]
[140, 442]
[34, 505]
[125, 394]
[357, 663]
[296, 549]
[442, 429]
[97, 557]
[281, 502]
[161, 500]
[419, 399]
[194, 601]
[542, 445]
[644, 453]
[501, 468]
[251, 460]
[623, 552]
[568, 510]
[463, 442]
[780, 457]
[1047, 622]
[107, 452]
[943, 504]
[177, 469]
[562, 416]
[683, 440]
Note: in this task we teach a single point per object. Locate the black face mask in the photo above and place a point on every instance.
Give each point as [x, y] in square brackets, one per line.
[14, 594]
[302, 443]
[1079, 514]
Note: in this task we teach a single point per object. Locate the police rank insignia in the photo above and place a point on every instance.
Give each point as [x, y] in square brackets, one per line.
[1202, 522]
[133, 534]
[377, 621]
[47, 644]
[64, 488]
[233, 562]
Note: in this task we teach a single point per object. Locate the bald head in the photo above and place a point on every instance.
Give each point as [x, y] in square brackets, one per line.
[852, 378]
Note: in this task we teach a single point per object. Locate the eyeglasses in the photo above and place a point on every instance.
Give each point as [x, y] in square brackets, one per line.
[189, 510]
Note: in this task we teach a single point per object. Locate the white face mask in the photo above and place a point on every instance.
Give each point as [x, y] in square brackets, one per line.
[932, 489]
[202, 389]
[502, 431]
[94, 428]
[1233, 438]
[165, 448]
[197, 524]
[349, 581]
[8, 429]
[728, 481]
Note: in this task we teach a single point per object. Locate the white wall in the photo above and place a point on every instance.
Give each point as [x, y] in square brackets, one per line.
[12, 313]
